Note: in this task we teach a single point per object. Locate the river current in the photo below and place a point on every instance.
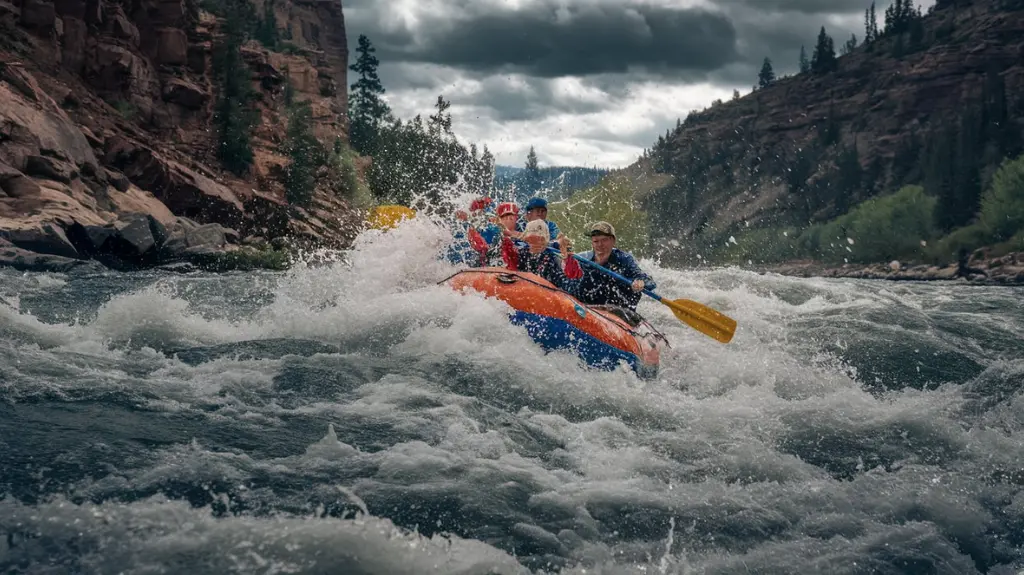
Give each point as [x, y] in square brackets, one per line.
[355, 417]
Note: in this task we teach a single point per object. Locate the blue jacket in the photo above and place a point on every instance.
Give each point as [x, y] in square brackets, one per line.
[599, 288]
[548, 266]
[461, 252]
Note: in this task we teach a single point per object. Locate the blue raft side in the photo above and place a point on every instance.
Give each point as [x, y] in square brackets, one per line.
[552, 333]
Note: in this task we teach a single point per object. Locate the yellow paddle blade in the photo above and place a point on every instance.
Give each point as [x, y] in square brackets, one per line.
[710, 322]
[387, 217]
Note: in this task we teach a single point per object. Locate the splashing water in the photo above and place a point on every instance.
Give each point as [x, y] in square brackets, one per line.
[355, 417]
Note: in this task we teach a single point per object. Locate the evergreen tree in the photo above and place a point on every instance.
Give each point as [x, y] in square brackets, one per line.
[531, 175]
[439, 122]
[266, 30]
[899, 17]
[766, 76]
[368, 112]
[824, 58]
[805, 66]
[870, 25]
[487, 168]
[233, 116]
[850, 45]
[306, 155]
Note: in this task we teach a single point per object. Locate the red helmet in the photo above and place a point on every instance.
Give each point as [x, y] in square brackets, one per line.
[507, 208]
[480, 204]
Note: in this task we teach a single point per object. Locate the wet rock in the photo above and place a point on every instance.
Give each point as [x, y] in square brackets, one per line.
[25, 260]
[45, 238]
[135, 236]
[209, 235]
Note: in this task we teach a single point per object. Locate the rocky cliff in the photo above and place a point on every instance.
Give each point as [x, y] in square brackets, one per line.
[807, 147]
[107, 145]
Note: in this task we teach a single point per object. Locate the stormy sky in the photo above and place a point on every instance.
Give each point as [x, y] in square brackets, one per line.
[587, 82]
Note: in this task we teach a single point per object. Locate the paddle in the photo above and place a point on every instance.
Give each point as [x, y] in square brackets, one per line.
[710, 322]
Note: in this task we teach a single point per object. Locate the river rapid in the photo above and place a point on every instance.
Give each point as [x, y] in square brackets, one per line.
[356, 417]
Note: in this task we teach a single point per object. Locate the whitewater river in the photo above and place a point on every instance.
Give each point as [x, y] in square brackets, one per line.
[356, 418]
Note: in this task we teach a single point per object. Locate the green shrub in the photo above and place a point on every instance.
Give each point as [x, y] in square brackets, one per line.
[345, 178]
[880, 229]
[967, 238]
[760, 245]
[1002, 205]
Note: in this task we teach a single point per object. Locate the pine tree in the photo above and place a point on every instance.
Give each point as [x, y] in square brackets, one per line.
[531, 175]
[305, 153]
[233, 117]
[266, 31]
[368, 112]
[870, 25]
[765, 77]
[850, 45]
[899, 17]
[824, 58]
[805, 66]
[440, 123]
[874, 23]
[487, 168]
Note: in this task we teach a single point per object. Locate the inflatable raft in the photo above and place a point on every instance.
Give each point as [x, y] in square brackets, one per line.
[602, 336]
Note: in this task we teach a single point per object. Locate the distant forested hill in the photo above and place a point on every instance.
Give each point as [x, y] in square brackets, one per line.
[554, 183]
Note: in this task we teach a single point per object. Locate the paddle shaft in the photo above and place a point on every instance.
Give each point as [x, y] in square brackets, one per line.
[621, 278]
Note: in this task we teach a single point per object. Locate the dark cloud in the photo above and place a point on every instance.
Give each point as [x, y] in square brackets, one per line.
[500, 66]
[549, 41]
[532, 99]
[805, 6]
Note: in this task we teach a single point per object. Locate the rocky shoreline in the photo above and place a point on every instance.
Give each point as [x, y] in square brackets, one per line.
[138, 241]
[981, 269]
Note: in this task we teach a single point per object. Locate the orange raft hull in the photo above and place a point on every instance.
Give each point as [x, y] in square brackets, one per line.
[601, 337]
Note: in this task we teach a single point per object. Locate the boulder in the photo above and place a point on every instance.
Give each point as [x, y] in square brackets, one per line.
[16, 184]
[181, 189]
[134, 235]
[26, 260]
[209, 235]
[134, 200]
[50, 168]
[185, 93]
[34, 130]
[123, 28]
[44, 238]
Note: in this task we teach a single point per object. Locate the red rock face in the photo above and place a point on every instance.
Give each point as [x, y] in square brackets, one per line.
[106, 109]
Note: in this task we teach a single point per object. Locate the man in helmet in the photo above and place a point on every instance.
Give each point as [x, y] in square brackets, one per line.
[537, 209]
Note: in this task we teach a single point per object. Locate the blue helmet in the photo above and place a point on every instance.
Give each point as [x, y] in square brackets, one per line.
[536, 203]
